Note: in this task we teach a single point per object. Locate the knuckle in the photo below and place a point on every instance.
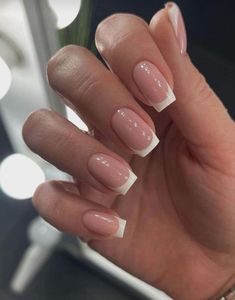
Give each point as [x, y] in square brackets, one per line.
[65, 59]
[41, 130]
[32, 124]
[65, 139]
[48, 194]
[41, 194]
[113, 20]
[36, 116]
[72, 74]
[58, 60]
[116, 29]
[200, 89]
[85, 85]
[227, 158]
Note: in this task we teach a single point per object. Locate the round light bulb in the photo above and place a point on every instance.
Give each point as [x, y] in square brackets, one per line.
[20, 176]
[65, 11]
[5, 78]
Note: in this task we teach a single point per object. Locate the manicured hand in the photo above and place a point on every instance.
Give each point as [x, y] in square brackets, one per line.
[180, 212]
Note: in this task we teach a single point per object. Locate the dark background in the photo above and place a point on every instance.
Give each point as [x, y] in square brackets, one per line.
[211, 31]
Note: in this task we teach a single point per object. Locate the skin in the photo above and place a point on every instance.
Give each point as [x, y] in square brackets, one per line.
[180, 213]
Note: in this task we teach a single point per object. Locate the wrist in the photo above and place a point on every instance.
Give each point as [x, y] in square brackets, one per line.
[225, 291]
[198, 281]
[203, 289]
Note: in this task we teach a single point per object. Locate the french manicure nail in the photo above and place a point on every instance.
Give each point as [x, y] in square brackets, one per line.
[153, 85]
[177, 22]
[104, 224]
[111, 172]
[134, 131]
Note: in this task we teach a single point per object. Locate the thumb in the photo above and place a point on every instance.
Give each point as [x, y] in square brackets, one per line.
[197, 112]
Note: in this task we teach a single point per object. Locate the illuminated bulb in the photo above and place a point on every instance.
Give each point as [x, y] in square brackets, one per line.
[65, 11]
[74, 118]
[5, 78]
[20, 176]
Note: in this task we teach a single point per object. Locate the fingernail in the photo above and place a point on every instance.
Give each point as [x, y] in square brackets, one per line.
[104, 224]
[177, 22]
[134, 131]
[153, 85]
[111, 173]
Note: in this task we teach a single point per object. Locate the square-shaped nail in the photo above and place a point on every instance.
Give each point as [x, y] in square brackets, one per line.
[104, 224]
[153, 85]
[134, 131]
[177, 22]
[111, 172]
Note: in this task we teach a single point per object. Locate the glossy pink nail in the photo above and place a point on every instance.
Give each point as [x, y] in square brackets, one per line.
[103, 223]
[134, 131]
[111, 172]
[177, 22]
[153, 85]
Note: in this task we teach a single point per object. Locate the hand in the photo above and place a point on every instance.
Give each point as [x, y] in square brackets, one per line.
[180, 212]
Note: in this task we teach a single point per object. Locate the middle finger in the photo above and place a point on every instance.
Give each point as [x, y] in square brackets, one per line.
[125, 43]
[102, 99]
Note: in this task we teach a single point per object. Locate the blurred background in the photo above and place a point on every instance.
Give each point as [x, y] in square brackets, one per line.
[36, 261]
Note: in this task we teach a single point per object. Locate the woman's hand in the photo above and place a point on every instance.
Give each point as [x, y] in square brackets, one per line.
[180, 232]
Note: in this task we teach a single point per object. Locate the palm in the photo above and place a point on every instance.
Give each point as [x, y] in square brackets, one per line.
[166, 212]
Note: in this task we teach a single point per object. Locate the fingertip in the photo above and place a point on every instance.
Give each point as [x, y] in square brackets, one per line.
[121, 229]
[170, 98]
[157, 17]
[162, 30]
[127, 185]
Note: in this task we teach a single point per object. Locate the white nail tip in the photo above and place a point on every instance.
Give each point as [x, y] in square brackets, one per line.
[123, 189]
[149, 148]
[166, 102]
[121, 228]
[173, 13]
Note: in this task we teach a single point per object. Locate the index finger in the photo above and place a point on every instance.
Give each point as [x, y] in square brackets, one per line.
[127, 46]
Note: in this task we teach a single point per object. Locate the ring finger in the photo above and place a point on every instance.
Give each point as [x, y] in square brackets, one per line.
[65, 146]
